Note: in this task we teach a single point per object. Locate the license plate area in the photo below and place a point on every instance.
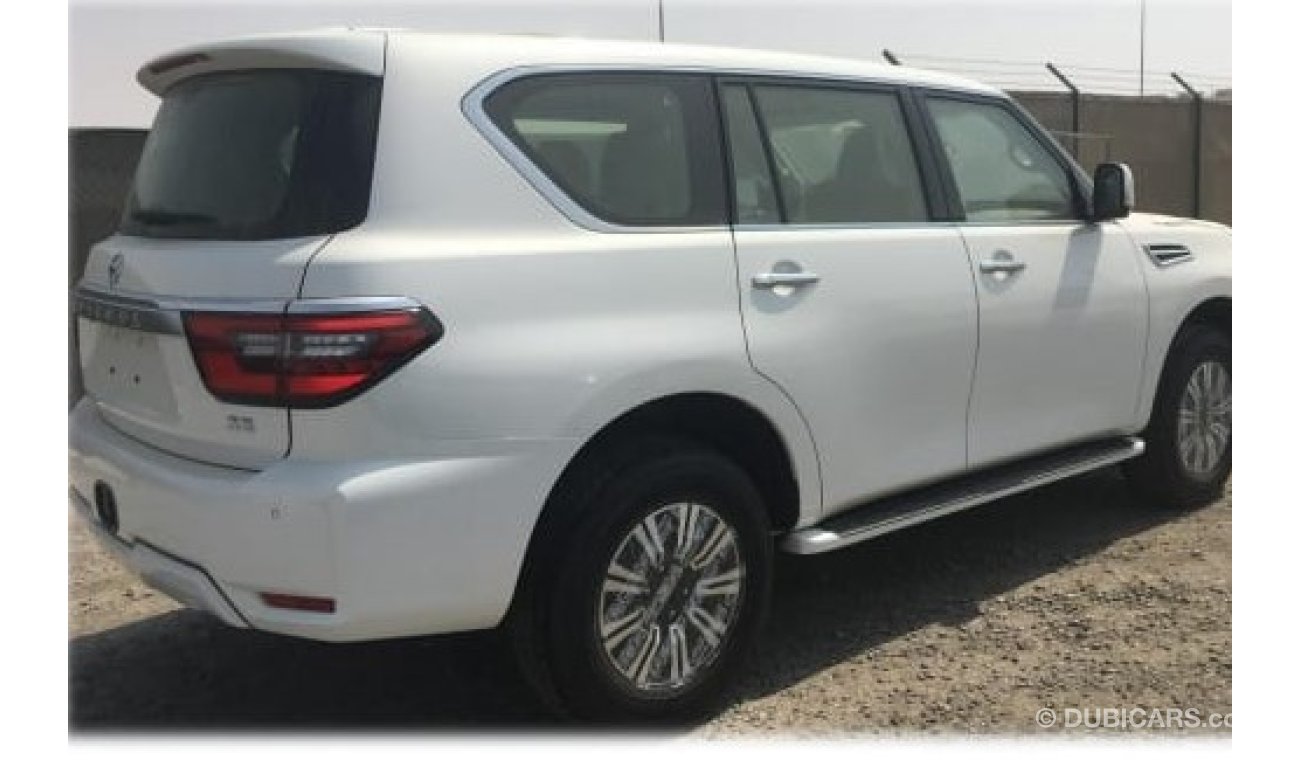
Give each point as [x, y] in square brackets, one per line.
[125, 368]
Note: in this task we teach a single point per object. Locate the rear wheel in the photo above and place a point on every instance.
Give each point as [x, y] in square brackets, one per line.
[1189, 438]
[658, 589]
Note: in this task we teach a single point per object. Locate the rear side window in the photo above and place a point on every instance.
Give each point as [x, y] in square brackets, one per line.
[839, 155]
[257, 155]
[633, 149]
[756, 199]
[1003, 172]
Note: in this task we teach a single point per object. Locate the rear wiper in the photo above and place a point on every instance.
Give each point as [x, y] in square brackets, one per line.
[163, 216]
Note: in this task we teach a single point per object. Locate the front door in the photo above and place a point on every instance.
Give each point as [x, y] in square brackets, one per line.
[1062, 304]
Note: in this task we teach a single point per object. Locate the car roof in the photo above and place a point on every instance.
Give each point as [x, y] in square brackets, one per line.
[521, 50]
[362, 49]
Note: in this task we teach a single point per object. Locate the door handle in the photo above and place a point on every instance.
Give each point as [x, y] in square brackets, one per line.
[786, 279]
[1000, 266]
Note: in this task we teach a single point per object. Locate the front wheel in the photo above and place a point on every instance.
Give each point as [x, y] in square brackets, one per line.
[1189, 438]
[660, 588]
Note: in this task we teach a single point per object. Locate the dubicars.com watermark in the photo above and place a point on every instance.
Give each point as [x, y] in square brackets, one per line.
[1132, 718]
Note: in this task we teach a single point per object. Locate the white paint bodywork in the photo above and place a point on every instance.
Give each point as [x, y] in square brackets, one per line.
[168, 406]
[413, 504]
[1061, 342]
[883, 343]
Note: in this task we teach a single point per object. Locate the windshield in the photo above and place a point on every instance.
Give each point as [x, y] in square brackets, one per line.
[256, 155]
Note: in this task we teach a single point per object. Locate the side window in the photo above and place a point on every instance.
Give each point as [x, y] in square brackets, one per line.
[754, 191]
[629, 148]
[841, 155]
[1003, 173]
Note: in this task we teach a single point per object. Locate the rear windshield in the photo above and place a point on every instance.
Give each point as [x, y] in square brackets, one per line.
[256, 155]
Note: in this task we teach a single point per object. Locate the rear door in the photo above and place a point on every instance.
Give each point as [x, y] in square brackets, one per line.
[244, 177]
[1062, 302]
[857, 300]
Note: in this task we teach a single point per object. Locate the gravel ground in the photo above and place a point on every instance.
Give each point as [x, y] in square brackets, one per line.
[1075, 596]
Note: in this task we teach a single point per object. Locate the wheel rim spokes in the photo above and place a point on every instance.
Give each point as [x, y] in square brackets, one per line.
[670, 595]
[1204, 425]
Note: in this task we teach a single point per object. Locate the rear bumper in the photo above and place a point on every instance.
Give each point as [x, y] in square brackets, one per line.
[404, 547]
[180, 580]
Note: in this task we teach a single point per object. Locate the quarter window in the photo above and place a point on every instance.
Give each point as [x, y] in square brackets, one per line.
[1003, 173]
[840, 156]
[630, 149]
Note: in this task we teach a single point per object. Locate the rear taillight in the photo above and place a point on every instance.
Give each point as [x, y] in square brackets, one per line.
[304, 360]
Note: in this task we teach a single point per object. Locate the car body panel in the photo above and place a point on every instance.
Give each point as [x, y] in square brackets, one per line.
[1061, 342]
[1175, 291]
[147, 384]
[547, 325]
[878, 353]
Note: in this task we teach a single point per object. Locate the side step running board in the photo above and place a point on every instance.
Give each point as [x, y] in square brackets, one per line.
[904, 510]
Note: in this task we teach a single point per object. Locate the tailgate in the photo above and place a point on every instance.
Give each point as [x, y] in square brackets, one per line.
[136, 362]
[261, 150]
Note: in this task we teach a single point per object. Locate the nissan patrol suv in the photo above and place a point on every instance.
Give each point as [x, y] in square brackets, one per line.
[404, 334]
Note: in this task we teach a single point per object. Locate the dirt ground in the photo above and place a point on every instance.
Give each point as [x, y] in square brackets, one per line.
[1075, 597]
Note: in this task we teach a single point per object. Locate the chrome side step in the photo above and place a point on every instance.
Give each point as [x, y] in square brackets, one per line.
[904, 510]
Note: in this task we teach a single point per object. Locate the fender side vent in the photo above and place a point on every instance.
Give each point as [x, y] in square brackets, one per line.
[1168, 254]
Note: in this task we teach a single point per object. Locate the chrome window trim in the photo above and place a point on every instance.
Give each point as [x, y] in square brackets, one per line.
[938, 223]
[162, 315]
[352, 304]
[473, 106]
[833, 226]
[1072, 223]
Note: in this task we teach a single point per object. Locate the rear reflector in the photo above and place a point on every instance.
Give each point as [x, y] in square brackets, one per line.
[304, 360]
[299, 603]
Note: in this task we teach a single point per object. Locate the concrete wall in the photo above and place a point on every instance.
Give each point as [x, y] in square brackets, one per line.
[1216, 164]
[101, 163]
[1156, 137]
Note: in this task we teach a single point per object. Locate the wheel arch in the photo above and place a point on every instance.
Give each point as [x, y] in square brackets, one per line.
[1214, 311]
[725, 423]
[736, 428]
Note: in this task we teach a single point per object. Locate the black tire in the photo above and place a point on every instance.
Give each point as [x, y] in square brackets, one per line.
[1160, 475]
[554, 622]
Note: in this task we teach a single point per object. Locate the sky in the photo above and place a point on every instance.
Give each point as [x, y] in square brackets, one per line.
[1098, 43]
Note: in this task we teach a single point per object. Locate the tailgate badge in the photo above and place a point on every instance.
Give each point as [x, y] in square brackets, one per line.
[115, 265]
[240, 424]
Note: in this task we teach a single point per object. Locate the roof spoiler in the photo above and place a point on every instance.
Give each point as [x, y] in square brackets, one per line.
[356, 51]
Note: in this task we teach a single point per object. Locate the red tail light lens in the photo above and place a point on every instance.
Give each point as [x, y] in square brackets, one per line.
[304, 360]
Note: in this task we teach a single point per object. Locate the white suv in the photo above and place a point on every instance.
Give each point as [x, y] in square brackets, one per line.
[405, 334]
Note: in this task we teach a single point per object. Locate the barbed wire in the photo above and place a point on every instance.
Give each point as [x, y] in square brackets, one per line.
[1013, 74]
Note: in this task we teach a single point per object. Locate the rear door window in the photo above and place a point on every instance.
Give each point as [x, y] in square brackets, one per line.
[840, 156]
[257, 155]
[754, 189]
[632, 149]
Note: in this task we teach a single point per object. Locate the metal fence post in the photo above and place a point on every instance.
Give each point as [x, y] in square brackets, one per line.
[1198, 108]
[1075, 107]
